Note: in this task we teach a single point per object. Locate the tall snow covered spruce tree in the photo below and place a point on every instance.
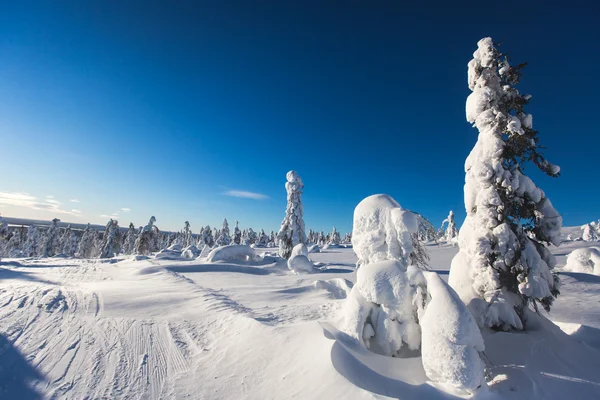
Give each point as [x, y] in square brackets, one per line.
[292, 232]
[503, 267]
[52, 240]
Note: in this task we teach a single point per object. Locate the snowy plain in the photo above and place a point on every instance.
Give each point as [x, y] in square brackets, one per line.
[166, 328]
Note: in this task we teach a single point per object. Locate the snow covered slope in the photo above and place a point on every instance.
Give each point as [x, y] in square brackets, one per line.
[161, 328]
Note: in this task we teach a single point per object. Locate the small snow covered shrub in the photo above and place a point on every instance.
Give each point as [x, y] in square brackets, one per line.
[586, 260]
[503, 267]
[395, 309]
[383, 307]
[299, 262]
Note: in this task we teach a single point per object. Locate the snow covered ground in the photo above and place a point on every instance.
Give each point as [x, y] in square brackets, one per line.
[178, 328]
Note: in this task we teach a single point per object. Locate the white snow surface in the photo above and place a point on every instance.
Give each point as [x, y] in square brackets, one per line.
[149, 328]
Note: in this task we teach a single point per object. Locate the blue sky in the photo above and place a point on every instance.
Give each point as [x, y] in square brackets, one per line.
[140, 108]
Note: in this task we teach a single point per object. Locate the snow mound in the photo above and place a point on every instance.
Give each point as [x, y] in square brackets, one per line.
[586, 260]
[314, 249]
[338, 288]
[175, 247]
[190, 252]
[168, 254]
[299, 250]
[382, 230]
[451, 340]
[300, 264]
[138, 257]
[233, 252]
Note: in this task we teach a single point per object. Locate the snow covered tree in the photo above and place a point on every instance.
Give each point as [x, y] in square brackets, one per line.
[109, 247]
[224, 239]
[14, 245]
[262, 239]
[589, 233]
[272, 238]
[503, 267]
[334, 238]
[33, 242]
[252, 236]
[187, 235]
[52, 240]
[237, 234]
[3, 228]
[450, 232]
[87, 243]
[145, 242]
[206, 237]
[129, 242]
[69, 242]
[291, 232]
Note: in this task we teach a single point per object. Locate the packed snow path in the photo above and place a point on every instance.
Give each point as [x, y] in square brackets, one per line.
[166, 329]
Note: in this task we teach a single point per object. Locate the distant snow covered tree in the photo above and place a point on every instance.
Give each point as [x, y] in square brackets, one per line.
[52, 240]
[206, 237]
[589, 233]
[252, 236]
[262, 239]
[237, 234]
[503, 267]
[129, 242]
[187, 235]
[14, 246]
[450, 232]
[334, 238]
[109, 247]
[69, 242]
[33, 242]
[224, 239]
[292, 232]
[145, 242]
[87, 243]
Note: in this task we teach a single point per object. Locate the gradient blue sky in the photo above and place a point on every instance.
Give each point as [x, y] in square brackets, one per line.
[139, 108]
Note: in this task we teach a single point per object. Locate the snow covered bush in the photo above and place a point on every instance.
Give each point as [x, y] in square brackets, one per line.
[299, 262]
[586, 260]
[382, 310]
[110, 241]
[451, 340]
[393, 311]
[292, 232]
[503, 266]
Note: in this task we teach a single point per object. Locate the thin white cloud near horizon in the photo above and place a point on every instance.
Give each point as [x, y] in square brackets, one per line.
[25, 200]
[245, 194]
[74, 201]
[125, 209]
